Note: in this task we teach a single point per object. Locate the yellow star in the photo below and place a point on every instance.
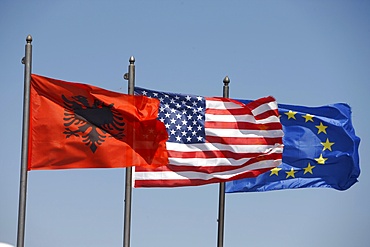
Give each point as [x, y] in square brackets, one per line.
[321, 127]
[308, 117]
[327, 144]
[308, 169]
[321, 160]
[275, 171]
[291, 114]
[291, 173]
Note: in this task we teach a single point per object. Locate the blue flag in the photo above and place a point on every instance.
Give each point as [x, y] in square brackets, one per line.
[320, 150]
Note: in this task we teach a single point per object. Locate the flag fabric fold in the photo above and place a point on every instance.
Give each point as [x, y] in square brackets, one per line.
[320, 150]
[213, 140]
[74, 125]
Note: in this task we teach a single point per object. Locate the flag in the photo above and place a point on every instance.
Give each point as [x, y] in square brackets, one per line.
[213, 140]
[74, 125]
[320, 150]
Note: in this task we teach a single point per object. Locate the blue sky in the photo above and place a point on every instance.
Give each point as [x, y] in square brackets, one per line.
[301, 52]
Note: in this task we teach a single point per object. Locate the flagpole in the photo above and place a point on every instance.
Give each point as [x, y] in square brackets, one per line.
[221, 198]
[130, 76]
[27, 61]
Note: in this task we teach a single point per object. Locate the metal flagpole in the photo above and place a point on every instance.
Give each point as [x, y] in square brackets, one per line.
[130, 76]
[27, 61]
[221, 198]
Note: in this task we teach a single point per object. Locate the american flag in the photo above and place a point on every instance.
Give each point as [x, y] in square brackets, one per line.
[213, 140]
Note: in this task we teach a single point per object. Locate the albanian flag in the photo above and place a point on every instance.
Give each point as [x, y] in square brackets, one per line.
[74, 125]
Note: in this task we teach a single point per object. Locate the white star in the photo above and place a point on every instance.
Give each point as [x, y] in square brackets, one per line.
[178, 138]
[188, 98]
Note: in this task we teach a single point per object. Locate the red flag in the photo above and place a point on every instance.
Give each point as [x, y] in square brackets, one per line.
[214, 140]
[74, 125]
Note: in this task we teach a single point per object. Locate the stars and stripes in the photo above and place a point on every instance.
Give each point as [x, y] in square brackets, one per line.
[213, 140]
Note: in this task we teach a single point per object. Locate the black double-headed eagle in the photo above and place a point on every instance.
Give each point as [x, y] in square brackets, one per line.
[93, 122]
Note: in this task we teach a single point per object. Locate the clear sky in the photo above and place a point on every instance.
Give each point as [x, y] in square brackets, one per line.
[301, 52]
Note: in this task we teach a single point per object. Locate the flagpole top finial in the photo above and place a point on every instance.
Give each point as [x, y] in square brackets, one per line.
[132, 59]
[226, 80]
[29, 38]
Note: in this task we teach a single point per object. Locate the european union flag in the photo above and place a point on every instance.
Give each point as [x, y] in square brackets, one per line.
[320, 150]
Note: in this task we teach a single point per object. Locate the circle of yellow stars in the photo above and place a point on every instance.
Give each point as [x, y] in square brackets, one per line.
[327, 145]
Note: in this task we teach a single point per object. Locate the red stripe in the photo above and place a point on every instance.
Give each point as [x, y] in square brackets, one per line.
[225, 168]
[221, 99]
[239, 111]
[267, 114]
[211, 154]
[195, 182]
[210, 169]
[256, 103]
[244, 140]
[243, 125]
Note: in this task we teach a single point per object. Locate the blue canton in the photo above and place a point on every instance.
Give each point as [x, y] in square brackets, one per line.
[183, 115]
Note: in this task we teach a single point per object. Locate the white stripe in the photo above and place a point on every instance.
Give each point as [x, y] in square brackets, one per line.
[197, 162]
[207, 162]
[240, 118]
[265, 107]
[221, 105]
[168, 175]
[243, 133]
[172, 146]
